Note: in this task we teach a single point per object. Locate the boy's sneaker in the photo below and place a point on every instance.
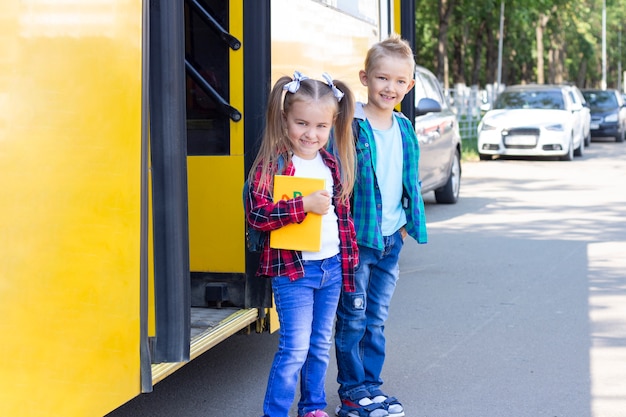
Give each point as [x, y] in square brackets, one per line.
[391, 404]
[360, 408]
[316, 413]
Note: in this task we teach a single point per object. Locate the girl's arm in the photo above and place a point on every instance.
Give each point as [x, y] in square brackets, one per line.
[266, 215]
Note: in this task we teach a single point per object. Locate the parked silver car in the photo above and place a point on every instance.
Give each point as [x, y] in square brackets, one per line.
[439, 139]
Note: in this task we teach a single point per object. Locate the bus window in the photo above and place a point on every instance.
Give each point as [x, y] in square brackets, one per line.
[361, 9]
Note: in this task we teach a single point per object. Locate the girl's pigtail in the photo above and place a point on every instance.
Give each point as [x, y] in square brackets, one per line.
[344, 140]
[273, 141]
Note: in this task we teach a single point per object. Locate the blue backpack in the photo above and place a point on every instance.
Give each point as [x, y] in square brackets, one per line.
[255, 239]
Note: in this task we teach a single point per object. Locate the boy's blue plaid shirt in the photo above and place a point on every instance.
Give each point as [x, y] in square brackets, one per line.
[367, 203]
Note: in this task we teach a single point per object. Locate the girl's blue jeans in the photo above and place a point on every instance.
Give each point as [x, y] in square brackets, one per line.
[361, 316]
[306, 310]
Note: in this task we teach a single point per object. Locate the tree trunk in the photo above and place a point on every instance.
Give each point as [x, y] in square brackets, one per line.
[556, 70]
[491, 56]
[582, 72]
[541, 25]
[478, 51]
[557, 51]
[445, 10]
[458, 62]
[551, 65]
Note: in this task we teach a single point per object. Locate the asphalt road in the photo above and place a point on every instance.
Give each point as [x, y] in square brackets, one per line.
[515, 308]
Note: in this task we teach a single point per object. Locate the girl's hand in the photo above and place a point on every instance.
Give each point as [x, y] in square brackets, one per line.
[317, 202]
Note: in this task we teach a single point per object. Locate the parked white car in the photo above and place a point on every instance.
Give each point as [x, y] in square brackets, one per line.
[533, 120]
[584, 114]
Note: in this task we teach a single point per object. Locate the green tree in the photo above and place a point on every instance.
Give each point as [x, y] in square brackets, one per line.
[544, 41]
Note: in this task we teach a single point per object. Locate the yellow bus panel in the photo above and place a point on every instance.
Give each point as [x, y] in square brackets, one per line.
[236, 75]
[216, 216]
[70, 154]
[339, 46]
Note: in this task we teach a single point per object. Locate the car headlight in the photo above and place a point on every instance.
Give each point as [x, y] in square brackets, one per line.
[611, 118]
[485, 126]
[556, 127]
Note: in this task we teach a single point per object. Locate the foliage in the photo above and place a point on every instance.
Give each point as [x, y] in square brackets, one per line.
[570, 46]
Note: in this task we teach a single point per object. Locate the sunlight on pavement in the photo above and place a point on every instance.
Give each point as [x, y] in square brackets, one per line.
[607, 320]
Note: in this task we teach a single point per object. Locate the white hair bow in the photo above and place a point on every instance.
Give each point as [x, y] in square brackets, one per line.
[337, 92]
[293, 86]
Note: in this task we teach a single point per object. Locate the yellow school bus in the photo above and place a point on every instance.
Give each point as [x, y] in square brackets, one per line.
[126, 131]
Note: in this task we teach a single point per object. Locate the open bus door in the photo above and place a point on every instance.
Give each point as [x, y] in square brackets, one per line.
[121, 207]
[225, 294]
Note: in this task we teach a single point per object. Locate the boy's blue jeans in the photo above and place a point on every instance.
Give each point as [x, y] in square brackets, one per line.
[361, 316]
[306, 310]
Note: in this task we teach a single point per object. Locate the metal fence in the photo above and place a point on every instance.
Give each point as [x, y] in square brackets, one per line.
[469, 104]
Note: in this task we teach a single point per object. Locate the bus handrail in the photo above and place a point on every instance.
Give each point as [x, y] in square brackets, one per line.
[224, 107]
[232, 42]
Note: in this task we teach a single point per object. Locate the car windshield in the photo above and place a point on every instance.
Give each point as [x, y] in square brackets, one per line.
[530, 100]
[601, 100]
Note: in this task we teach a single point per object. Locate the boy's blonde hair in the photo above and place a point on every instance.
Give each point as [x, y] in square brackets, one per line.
[276, 144]
[394, 45]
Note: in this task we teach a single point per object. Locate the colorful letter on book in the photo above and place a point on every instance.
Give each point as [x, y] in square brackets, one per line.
[305, 236]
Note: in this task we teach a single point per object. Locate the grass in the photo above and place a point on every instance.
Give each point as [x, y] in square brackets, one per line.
[469, 149]
[467, 128]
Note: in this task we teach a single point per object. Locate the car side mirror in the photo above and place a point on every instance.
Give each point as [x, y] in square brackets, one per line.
[427, 105]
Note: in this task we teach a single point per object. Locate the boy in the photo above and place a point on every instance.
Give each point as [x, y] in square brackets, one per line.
[387, 207]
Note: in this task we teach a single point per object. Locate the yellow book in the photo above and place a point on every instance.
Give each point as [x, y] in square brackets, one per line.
[305, 236]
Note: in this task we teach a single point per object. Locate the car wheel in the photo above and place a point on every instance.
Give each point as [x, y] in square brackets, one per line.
[570, 151]
[484, 157]
[620, 137]
[580, 151]
[449, 193]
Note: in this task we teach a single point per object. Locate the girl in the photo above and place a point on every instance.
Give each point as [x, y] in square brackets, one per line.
[300, 116]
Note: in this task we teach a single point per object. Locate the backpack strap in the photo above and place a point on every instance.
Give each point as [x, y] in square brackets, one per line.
[356, 129]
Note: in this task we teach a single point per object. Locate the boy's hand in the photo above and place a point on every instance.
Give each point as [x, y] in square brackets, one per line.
[317, 202]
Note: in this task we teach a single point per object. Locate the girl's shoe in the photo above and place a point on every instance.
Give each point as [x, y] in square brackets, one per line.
[361, 408]
[391, 404]
[316, 413]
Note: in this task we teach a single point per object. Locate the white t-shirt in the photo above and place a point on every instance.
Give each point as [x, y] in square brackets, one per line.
[389, 157]
[315, 168]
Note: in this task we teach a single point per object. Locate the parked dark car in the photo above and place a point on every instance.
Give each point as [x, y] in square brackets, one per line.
[608, 113]
[439, 139]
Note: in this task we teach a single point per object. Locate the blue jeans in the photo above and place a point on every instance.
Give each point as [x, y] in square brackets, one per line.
[361, 316]
[306, 310]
